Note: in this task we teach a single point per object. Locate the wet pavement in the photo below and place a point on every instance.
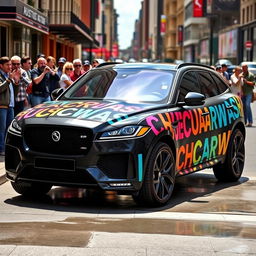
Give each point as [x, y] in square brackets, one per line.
[200, 206]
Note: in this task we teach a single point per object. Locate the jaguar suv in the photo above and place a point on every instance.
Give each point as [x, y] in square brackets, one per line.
[131, 128]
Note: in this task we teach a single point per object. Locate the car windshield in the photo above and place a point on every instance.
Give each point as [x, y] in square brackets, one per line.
[133, 85]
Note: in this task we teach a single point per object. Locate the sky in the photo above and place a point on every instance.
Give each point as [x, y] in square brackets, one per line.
[128, 11]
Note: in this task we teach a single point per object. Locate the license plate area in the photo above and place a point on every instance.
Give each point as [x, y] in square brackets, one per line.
[55, 164]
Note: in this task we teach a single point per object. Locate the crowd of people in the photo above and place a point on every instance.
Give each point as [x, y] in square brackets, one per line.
[22, 85]
[241, 83]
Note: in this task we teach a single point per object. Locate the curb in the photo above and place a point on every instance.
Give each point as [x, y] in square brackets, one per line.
[3, 179]
[2, 171]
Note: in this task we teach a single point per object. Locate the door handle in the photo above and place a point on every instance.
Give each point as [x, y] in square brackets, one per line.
[175, 123]
[229, 106]
[205, 113]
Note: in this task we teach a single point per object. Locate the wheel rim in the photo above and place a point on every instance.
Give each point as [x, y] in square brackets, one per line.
[163, 174]
[238, 154]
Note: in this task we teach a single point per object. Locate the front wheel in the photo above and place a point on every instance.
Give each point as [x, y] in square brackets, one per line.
[30, 189]
[232, 168]
[159, 177]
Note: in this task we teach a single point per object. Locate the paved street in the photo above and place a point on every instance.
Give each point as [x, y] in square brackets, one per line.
[204, 217]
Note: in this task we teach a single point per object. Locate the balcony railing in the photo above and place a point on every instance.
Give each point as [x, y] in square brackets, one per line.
[68, 17]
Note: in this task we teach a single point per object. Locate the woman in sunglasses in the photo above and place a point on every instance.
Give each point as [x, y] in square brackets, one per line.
[65, 80]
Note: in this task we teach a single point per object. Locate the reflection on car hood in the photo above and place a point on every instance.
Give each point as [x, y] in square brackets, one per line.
[96, 111]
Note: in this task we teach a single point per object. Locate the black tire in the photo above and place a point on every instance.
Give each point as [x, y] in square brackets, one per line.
[31, 189]
[232, 169]
[159, 177]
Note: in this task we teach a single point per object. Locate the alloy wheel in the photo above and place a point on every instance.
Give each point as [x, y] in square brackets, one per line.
[163, 180]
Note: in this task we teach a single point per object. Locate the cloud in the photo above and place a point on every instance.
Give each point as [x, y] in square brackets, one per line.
[128, 11]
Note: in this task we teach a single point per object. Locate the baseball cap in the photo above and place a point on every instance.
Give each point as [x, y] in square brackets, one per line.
[86, 62]
[40, 55]
[62, 59]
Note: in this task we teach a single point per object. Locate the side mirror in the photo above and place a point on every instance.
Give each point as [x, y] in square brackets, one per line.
[56, 93]
[194, 99]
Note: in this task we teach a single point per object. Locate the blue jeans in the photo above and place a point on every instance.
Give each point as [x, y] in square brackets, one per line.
[246, 99]
[35, 100]
[6, 117]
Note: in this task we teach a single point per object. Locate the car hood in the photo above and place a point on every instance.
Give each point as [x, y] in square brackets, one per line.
[92, 112]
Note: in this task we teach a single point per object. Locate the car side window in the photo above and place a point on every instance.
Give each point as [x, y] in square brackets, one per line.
[222, 87]
[208, 85]
[189, 83]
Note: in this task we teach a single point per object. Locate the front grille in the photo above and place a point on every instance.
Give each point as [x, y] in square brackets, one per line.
[57, 176]
[73, 140]
[116, 166]
[56, 164]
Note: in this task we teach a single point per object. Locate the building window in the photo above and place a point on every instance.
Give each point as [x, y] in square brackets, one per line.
[255, 11]
[251, 9]
[243, 16]
[3, 41]
[189, 11]
[247, 14]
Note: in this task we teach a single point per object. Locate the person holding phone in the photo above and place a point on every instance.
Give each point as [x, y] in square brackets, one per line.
[53, 77]
[21, 99]
[40, 87]
[247, 88]
[9, 85]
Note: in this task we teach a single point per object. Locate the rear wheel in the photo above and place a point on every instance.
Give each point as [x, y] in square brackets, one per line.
[30, 189]
[232, 168]
[159, 177]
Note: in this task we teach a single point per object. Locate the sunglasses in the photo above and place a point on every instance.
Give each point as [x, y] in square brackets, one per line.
[77, 66]
[15, 64]
[69, 68]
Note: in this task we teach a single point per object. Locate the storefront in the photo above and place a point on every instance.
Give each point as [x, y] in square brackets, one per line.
[21, 28]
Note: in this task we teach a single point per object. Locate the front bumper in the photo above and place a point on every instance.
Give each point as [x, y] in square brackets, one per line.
[110, 165]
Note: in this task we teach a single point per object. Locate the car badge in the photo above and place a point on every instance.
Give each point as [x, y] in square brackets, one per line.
[56, 136]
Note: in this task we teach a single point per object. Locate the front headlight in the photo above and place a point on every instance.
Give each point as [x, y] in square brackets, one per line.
[125, 132]
[15, 128]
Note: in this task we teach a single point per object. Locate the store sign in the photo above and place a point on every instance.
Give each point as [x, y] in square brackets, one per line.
[228, 44]
[180, 34]
[163, 25]
[248, 45]
[24, 14]
[198, 8]
[209, 6]
[34, 15]
[115, 50]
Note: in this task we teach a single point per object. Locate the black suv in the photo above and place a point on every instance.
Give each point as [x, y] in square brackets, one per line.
[130, 128]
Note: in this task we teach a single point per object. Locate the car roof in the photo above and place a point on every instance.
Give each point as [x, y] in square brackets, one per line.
[157, 66]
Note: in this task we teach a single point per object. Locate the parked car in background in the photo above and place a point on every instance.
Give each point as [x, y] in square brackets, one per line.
[131, 128]
[223, 61]
[251, 66]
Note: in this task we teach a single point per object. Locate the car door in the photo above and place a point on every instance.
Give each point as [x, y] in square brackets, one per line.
[222, 110]
[190, 125]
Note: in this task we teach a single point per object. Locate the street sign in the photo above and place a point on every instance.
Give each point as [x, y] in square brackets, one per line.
[248, 45]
